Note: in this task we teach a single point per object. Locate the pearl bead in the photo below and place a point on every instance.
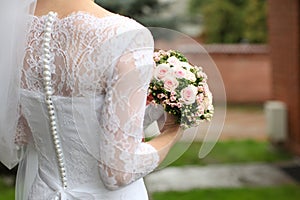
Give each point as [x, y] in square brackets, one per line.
[57, 147]
[48, 29]
[47, 67]
[48, 88]
[52, 118]
[53, 128]
[49, 92]
[64, 176]
[46, 61]
[46, 44]
[47, 78]
[46, 50]
[55, 137]
[47, 83]
[47, 35]
[48, 98]
[57, 143]
[47, 56]
[61, 165]
[61, 159]
[53, 123]
[59, 151]
[48, 24]
[54, 132]
[51, 112]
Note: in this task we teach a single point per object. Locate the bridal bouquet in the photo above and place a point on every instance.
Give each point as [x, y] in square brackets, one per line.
[181, 88]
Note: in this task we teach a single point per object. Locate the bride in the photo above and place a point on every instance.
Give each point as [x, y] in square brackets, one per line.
[72, 104]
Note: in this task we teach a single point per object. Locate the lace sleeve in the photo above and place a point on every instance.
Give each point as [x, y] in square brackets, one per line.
[125, 158]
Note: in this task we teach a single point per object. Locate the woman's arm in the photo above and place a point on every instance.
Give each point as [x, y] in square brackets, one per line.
[124, 157]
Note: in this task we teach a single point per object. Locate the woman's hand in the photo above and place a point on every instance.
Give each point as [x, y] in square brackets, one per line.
[170, 124]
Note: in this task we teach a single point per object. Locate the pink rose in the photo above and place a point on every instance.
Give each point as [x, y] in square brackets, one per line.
[174, 61]
[179, 72]
[170, 83]
[161, 71]
[188, 94]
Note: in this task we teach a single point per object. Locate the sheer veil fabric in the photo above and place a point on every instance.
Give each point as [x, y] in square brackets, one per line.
[14, 20]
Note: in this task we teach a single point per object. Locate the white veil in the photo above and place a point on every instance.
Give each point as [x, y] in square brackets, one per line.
[14, 21]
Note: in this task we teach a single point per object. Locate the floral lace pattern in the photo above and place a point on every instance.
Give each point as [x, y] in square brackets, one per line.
[108, 58]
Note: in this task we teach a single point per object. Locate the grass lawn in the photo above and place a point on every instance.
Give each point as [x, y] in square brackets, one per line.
[274, 193]
[6, 192]
[232, 152]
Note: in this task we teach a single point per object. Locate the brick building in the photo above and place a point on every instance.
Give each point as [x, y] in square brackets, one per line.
[245, 70]
[284, 40]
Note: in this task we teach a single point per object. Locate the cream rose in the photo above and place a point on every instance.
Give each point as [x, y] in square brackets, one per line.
[190, 76]
[161, 71]
[188, 94]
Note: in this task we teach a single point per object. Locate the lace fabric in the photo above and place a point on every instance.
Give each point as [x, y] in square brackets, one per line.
[100, 74]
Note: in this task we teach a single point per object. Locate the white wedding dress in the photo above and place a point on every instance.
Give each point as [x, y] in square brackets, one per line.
[100, 71]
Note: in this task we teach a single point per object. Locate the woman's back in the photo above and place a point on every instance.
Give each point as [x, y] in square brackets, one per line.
[85, 65]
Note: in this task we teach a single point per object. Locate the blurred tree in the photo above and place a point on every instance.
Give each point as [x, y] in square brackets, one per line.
[195, 5]
[255, 21]
[144, 11]
[132, 8]
[222, 22]
[232, 21]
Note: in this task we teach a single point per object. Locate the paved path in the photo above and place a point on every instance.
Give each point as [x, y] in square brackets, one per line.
[213, 176]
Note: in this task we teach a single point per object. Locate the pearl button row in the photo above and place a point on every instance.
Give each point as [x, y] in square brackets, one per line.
[48, 95]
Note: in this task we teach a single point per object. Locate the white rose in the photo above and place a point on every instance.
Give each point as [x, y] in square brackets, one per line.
[186, 65]
[188, 94]
[161, 71]
[170, 83]
[174, 61]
